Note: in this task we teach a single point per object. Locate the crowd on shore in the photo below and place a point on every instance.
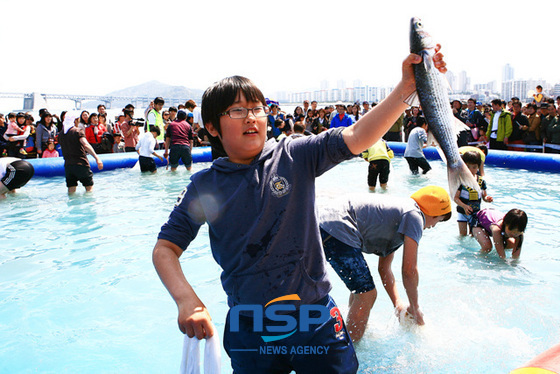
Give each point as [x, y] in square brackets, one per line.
[533, 127]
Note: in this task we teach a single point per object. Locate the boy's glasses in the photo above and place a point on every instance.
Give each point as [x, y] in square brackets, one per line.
[240, 113]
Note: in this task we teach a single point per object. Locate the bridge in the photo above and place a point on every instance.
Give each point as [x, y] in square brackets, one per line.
[35, 100]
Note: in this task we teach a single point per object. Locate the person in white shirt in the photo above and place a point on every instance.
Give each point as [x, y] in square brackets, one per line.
[146, 148]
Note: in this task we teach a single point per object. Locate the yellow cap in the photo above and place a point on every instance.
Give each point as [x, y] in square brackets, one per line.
[532, 370]
[433, 200]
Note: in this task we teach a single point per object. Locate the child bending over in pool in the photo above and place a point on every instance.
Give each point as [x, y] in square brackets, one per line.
[468, 199]
[259, 204]
[380, 226]
[506, 231]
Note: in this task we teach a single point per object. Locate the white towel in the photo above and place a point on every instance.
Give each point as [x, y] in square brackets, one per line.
[190, 363]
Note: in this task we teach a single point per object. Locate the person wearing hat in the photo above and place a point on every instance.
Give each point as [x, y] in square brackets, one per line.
[14, 173]
[179, 140]
[379, 225]
[341, 119]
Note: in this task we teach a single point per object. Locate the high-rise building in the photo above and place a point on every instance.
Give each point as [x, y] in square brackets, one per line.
[452, 80]
[507, 73]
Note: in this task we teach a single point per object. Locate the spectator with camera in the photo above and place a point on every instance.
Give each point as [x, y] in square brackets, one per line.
[130, 131]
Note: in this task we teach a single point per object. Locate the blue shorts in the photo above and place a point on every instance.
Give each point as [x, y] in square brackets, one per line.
[325, 349]
[349, 263]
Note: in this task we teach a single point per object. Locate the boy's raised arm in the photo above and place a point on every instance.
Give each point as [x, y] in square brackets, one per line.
[371, 127]
[194, 319]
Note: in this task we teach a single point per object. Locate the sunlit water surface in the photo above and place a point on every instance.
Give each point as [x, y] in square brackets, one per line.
[78, 292]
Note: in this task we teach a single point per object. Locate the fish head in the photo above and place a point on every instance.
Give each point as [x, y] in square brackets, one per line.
[419, 38]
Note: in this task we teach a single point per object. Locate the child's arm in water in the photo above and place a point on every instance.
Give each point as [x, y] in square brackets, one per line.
[194, 319]
[498, 240]
[411, 278]
[371, 127]
[388, 279]
[516, 247]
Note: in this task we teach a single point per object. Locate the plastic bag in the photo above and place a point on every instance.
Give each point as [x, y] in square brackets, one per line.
[190, 364]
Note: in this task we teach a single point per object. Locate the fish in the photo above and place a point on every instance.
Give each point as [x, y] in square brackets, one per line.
[431, 90]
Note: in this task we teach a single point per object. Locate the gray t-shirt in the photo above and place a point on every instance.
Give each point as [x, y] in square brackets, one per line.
[373, 223]
[415, 144]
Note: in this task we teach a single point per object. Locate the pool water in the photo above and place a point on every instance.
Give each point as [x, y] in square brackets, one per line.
[78, 291]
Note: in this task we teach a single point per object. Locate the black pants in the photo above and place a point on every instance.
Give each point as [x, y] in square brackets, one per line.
[494, 144]
[378, 168]
[415, 162]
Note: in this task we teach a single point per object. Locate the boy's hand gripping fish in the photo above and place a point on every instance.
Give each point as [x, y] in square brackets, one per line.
[431, 89]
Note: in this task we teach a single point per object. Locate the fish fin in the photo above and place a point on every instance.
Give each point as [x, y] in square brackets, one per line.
[413, 99]
[427, 59]
[440, 152]
[461, 176]
[459, 126]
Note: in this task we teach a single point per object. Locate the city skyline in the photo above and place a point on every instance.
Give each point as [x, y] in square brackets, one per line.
[460, 83]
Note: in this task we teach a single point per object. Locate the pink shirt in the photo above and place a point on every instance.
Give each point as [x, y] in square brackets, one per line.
[47, 153]
[13, 129]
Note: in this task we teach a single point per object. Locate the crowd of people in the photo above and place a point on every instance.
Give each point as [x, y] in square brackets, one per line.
[512, 125]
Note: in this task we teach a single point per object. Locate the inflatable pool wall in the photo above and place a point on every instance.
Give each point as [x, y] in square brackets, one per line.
[507, 159]
[504, 159]
[52, 167]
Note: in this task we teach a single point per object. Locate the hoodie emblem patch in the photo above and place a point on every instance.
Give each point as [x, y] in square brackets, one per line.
[279, 186]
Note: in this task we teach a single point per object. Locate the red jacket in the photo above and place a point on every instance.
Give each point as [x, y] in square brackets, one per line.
[91, 137]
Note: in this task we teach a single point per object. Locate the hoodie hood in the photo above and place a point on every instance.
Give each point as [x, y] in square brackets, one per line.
[223, 164]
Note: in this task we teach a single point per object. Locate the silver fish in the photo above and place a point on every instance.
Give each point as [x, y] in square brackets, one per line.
[431, 88]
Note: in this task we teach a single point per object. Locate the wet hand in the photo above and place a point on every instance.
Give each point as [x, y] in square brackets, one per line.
[416, 314]
[196, 322]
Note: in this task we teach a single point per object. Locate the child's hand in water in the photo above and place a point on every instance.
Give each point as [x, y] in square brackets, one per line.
[411, 315]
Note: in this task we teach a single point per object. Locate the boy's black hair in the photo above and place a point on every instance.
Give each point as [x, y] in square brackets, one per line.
[222, 94]
[181, 115]
[472, 157]
[155, 129]
[299, 128]
[483, 148]
[172, 109]
[515, 219]
[496, 102]
[159, 100]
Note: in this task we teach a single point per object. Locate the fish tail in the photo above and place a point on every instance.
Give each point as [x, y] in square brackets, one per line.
[461, 175]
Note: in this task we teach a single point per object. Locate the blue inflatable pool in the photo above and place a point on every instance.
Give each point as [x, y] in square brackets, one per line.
[515, 160]
[504, 159]
[51, 167]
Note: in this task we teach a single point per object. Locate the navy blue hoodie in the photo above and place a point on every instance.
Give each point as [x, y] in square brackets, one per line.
[261, 217]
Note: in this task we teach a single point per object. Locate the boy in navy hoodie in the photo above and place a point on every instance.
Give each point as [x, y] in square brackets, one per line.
[259, 204]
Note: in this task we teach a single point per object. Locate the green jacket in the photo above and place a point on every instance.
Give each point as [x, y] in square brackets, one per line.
[504, 126]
